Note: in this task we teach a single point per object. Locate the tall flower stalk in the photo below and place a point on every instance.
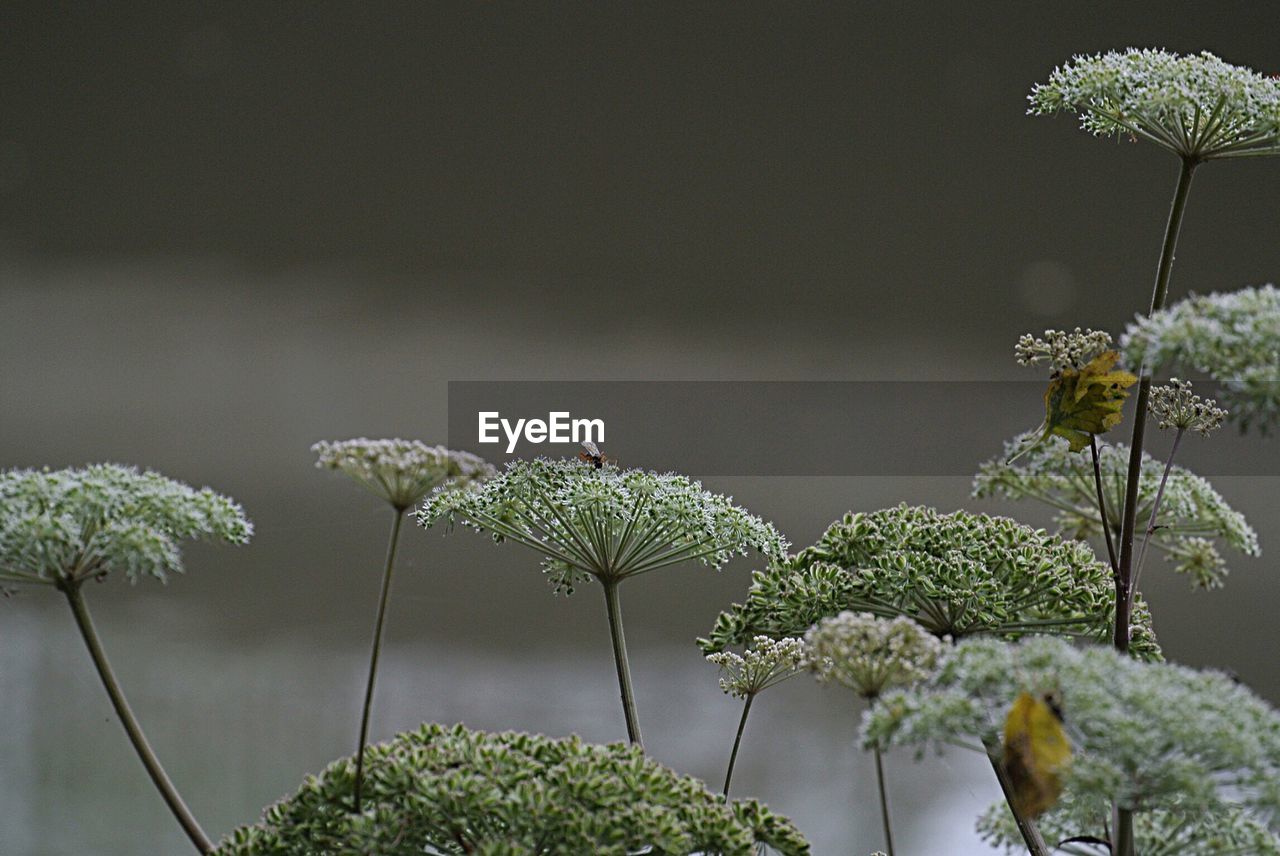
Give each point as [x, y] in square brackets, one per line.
[870, 655]
[766, 663]
[401, 473]
[609, 525]
[1200, 108]
[62, 528]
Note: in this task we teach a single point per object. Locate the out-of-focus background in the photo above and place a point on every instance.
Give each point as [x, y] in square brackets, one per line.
[230, 230]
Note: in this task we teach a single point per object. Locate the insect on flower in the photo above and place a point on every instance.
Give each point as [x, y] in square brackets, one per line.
[591, 454]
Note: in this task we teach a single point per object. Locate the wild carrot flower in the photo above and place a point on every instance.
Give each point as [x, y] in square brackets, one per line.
[1061, 350]
[1196, 106]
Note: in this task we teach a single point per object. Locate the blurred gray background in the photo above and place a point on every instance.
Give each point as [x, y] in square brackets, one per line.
[230, 230]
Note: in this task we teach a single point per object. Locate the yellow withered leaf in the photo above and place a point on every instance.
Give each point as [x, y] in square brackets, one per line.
[1081, 403]
[1036, 751]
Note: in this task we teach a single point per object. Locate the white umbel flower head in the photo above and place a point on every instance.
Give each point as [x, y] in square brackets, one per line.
[1196, 106]
[870, 654]
[1176, 406]
[765, 663]
[61, 527]
[402, 472]
[1061, 350]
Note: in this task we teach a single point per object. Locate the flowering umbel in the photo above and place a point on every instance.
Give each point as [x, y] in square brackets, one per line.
[1060, 350]
[1144, 736]
[1195, 520]
[1196, 106]
[1232, 336]
[868, 654]
[66, 526]
[448, 790]
[765, 663]
[1176, 406]
[401, 472]
[605, 523]
[956, 574]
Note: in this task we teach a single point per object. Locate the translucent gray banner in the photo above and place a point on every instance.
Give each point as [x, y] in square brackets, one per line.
[795, 428]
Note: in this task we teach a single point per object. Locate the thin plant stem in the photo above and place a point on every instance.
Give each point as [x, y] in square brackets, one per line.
[1124, 842]
[884, 803]
[1155, 508]
[1102, 504]
[149, 760]
[373, 657]
[1130, 514]
[1026, 826]
[737, 741]
[614, 608]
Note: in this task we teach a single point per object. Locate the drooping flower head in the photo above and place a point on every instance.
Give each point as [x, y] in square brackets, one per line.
[870, 654]
[606, 523]
[1080, 826]
[765, 663]
[1194, 518]
[1234, 337]
[1147, 736]
[448, 790]
[66, 526]
[956, 574]
[1176, 406]
[401, 472]
[1196, 106]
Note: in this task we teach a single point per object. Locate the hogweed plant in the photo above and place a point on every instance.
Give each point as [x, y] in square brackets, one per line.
[870, 655]
[957, 629]
[62, 528]
[401, 473]
[1201, 109]
[609, 525]
[765, 663]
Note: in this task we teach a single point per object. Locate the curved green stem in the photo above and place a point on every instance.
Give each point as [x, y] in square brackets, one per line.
[1124, 578]
[884, 803]
[373, 657]
[614, 607]
[158, 776]
[737, 741]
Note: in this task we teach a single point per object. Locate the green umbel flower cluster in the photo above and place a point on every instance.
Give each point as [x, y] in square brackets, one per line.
[763, 664]
[1196, 106]
[67, 526]
[448, 790]
[1081, 826]
[1194, 518]
[401, 472]
[869, 654]
[606, 523]
[1145, 735]
[957, 574]
[1234, 337]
